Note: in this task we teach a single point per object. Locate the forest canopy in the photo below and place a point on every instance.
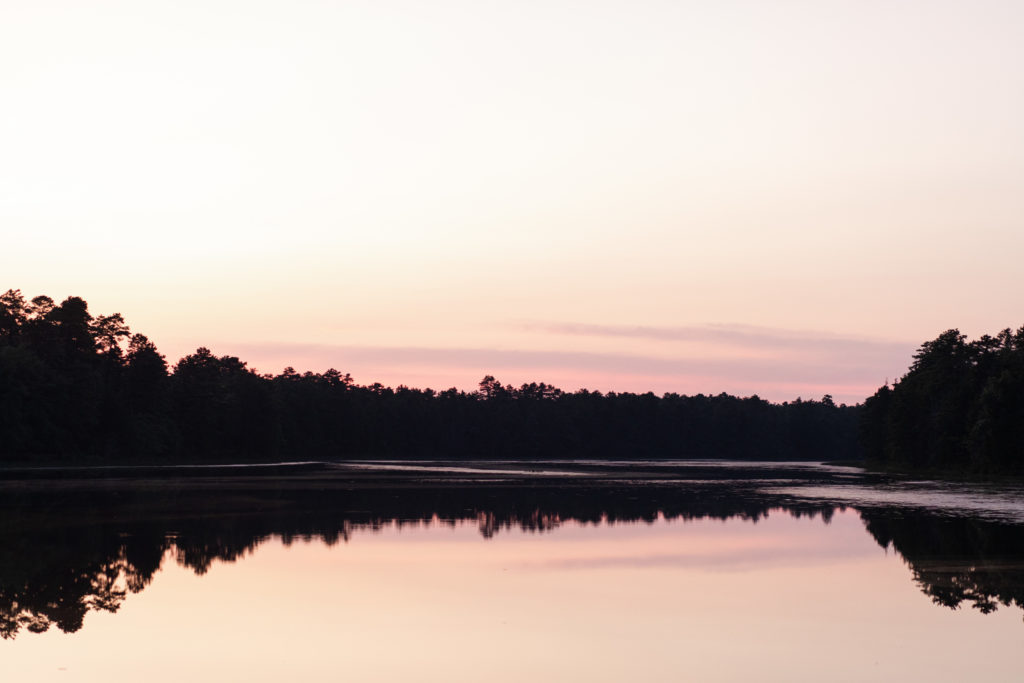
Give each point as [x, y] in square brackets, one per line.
[75, 387]
[960, 407]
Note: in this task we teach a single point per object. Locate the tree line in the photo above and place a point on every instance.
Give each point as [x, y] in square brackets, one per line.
[960, 407]
[75, 387]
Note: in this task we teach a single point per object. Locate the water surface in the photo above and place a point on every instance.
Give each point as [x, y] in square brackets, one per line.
[659, 571]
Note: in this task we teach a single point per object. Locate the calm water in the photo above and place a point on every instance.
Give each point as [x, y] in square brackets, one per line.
[655, 571]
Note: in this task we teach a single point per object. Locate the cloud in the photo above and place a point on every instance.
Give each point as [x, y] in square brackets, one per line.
[777, 364]
[488, 359]
[742, 337]
[744, 559]
[847, 371]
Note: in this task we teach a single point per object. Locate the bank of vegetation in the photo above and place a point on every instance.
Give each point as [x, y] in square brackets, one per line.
[959, 409]
[79, 388]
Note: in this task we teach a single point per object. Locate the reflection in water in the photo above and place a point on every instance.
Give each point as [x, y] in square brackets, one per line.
[957, 560]
[89, 547]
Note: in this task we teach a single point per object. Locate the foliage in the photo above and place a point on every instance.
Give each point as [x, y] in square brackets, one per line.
[960, 407]
[78, 387]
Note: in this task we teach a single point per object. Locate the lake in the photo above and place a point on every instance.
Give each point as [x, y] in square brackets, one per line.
[508, 571]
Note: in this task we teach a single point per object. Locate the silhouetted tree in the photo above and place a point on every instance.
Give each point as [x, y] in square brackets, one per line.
[78, 386]
[959, 407]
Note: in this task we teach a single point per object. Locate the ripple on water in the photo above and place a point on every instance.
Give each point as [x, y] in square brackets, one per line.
[997, 503]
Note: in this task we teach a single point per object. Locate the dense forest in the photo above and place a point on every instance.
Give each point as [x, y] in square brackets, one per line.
[75, 387]
[960, 407]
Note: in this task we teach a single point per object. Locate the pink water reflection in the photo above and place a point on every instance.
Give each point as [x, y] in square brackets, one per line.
[781, 599]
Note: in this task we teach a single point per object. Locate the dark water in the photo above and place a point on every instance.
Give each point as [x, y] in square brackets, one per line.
[508, 571]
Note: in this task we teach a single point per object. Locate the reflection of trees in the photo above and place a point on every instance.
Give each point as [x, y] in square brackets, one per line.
[89, 550]
[56, 578]
[64, 554]
[955, 560]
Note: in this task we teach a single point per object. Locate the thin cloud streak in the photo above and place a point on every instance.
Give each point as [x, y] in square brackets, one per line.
[487, 359]
[737, 336]
[850, 378]
[730, 560]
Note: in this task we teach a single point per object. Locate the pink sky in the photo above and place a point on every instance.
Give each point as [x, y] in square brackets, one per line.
[774, 198]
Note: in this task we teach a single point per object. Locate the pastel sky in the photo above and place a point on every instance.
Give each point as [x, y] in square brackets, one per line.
[782, 198]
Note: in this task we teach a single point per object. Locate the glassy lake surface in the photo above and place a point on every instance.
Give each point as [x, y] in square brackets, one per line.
[584, 571]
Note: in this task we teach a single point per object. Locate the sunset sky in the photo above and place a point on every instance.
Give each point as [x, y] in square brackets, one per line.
[781, 198]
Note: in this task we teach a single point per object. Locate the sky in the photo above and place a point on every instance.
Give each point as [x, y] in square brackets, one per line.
[775, 198]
